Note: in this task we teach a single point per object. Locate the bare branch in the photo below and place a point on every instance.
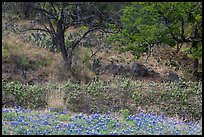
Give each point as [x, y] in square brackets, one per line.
[51, 30]
[30, 29]
[79, 22]
[52, 4]
[45, 27]
[84, 35]
[45, 12]
[51, 27]
[92, 55]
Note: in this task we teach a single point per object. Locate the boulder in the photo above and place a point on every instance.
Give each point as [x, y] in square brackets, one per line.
[115, 69]
[172, 76]
[137, 69]
[152, 73]
[134, 69]
[124, 70]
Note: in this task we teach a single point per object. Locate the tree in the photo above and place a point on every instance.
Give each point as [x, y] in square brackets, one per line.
[54, 18]
[172, 23]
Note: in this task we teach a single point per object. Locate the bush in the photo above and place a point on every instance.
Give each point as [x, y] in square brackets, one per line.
[181, 99]
[28, 96]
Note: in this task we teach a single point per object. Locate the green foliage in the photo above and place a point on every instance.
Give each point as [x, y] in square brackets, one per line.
[173, 98]
[85, 56]
[8, 130]
[155, 23]
[170, 99]
[197, 52]
[64, 118]
[9, 116]
[5, 51]
[125, 113]
[29, 96]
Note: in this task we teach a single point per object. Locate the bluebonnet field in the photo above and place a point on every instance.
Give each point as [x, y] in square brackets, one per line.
[29, 122]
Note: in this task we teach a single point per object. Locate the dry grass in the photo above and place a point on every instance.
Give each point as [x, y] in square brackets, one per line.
[55, 70]
[32, 51]
[42, 58]
[55, 101]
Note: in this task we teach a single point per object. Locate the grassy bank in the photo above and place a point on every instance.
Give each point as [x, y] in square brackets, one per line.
[181, 100]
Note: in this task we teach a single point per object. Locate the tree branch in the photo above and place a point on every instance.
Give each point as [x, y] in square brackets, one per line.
[46, 27]
[30, 29]
[84, 35]
[52, 4]
[92, 55]
[45, 12]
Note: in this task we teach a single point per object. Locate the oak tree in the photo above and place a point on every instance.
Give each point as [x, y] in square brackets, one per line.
[173, 23]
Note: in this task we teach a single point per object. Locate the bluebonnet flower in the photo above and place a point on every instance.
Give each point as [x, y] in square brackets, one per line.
[45, 122]
[31, 131]
[34, 121]
[38, 132]
[16, 111]
[27, 132]
[71, 119]
[141, 114]
[45, 132]
[69, 131]
[108, 119]
[4, 123]
[19, 120]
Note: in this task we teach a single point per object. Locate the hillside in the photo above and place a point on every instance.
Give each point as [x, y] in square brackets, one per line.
[39, 65]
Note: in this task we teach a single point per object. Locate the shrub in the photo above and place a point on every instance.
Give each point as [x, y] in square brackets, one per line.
[28, 96]
[182, 99]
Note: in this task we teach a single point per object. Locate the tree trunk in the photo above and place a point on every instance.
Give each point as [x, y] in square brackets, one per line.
[195, 62]
[195, 68]
[66, 54]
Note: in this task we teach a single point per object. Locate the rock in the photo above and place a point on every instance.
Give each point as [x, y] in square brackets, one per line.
[172, 76]
[115, 69]
[152, 73]
[134, 69]
[138, 69]
[124, 70]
